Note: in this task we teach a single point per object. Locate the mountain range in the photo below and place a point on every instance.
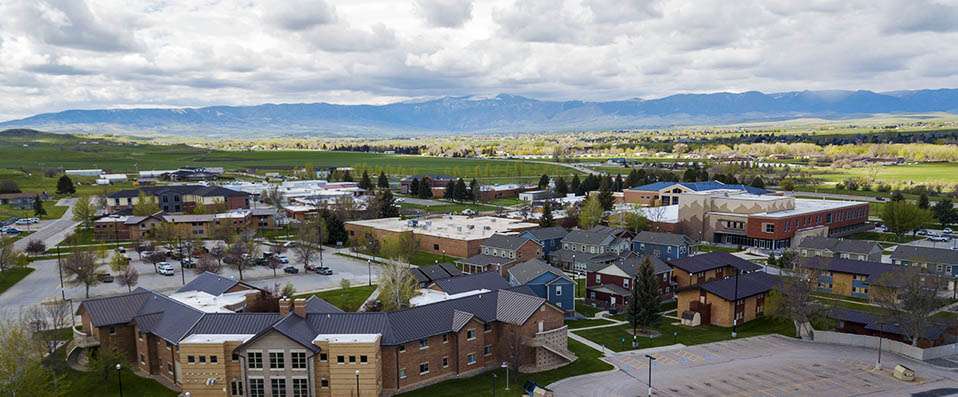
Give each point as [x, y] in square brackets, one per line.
[500, 114]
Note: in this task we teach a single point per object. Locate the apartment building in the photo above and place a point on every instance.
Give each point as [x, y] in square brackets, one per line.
[665, 246]
[693, 270]
[667, 193]
[500, 252]
[580, 247]
[848, 277]
[179, 198]
[727, 301]
[610, 284]
[839, 248]
[130, 227]
[452, 235]
[311, 348]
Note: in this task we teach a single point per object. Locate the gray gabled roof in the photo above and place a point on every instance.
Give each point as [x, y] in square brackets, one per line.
[317, 305]
[529, 270]
[490, 280]
[509, 242]
[915, 253]
[712, 260]
[659, 238]
[547, 233]
[839, 245]
[630, 263]
[749, 284]
[115, 309]
[849, 266]
[483, 260]
[594, 236]
[210, 283]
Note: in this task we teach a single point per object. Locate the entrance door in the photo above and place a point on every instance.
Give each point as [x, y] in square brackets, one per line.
[611, 301]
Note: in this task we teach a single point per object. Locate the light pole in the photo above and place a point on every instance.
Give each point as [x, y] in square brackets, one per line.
[119, 378]
[357, 383]
[494, 385]
[369, 269]
[881, 327]
[505, 365]
[651, 359]
[735, 304]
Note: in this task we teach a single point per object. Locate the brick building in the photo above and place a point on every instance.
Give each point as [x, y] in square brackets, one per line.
[499, 253]
[724, 302]
[179, 198]
[131, 227]
[452, 235]
[311, 348]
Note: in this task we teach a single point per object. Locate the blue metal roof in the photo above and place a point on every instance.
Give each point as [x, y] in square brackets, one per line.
[701, 186]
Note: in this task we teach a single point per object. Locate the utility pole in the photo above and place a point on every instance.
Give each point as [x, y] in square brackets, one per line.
[651, 359]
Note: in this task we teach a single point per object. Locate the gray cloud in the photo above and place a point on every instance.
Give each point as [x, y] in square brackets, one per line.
[922, 16]
[66, 23]
[445, 13]
[300, 14]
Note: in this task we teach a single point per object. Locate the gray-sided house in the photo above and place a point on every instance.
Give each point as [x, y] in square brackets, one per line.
[546, 282]
[860, 250]
[665, 246]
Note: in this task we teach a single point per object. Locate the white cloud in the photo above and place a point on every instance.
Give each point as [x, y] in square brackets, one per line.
[61, 54]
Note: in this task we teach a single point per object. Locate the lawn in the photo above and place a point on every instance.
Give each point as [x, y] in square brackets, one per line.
[481, 385]
[703, 248]
[506, 202]
[580, 288]
[586, 310]
[423, 258]
[94, 384]
[619, 338]
[447, 208]
[576, 324]
[10, 277]
[347, 299]
[918, 173]
[884, 237]
[53, 211]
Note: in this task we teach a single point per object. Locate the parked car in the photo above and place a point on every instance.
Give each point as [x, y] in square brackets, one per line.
[289, 244]
[469, 212]
[879, 198]
[25, 221]
[323, 270]
[188, 263]
[947, 230]
[938, 237]
[283, 259]
[922, 232]
[104, 277]
[165, 268]
[10, 230]
[291, 269]
[146, 254]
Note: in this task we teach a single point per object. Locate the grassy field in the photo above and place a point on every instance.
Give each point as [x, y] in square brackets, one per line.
[347, 299]
[917, 173]
[53, 211]
[619, 338]
[582, 308]
[481, 385]
[423, 258]
[576, 324]
[885, 237]
[95, 384]
[446, 208]
[12, 276]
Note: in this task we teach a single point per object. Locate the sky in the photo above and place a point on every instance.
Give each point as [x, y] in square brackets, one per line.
[85, 54]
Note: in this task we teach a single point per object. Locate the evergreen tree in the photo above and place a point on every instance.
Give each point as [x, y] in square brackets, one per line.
[474, 190]
[944, 212]
[543, 181]
[547, 220]
[605, 195]
[425, 189]
[643, 310]
[347, 177]
[384, 204]
[462, 193]
[574, 185]
[619, 183]
[65, 185]
[758, 182]
[561, 188]
[923, 201]
[38, 209]
[383, 182]
[365, 182]
[633, 179]
[414, 186]
[450, 193]
[897, 196]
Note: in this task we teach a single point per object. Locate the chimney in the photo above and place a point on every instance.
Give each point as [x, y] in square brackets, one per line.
[299, 307]
[284, 304]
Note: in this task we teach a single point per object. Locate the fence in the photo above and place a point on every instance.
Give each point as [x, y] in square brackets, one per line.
[841, 338]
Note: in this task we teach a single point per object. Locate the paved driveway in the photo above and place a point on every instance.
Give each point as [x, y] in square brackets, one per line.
[51, 232]
[769, 365]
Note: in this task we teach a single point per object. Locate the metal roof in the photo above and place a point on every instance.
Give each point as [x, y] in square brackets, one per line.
[115, 309]
[915, 253]
[839, 245]
[547, 233]
[483, 260]
[748, 284]
[316, 304]
[871, 269]
[699, 187]
[490, 280]
[529, 270]
[509, 242]
[630, 262]
[712, 260]
[659, 238]
[595, 236]
[210, 283]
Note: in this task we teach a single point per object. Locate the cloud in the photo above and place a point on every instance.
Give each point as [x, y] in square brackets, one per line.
[300, 14]
[922, 16]
[66, 23]
[445, 13]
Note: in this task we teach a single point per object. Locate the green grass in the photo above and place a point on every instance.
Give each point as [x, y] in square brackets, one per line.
[347, 299]
[580, 287]
[446, 208]
[94, 384]
[613, 337]
[845, 304]
[884, 237]
[576, 324]
[423, 258]
[506, 202]
[481, 385]
[584, 309]
[10, 277]
[53, 211]
[892, 174]
[714, 248]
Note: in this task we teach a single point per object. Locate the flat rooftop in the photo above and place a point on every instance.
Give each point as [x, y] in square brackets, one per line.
[449, 226]
[808, 206]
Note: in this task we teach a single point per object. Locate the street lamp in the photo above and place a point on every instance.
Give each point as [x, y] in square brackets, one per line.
[505, 365]
[735, 305]
[494, 385]
[369, 269]
[357, 383]
[881, 327]
[119, 378]
[651, 359]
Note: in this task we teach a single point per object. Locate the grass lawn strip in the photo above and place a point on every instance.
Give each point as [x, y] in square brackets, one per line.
[347, 299]
[576, 324]
[12, 276]
[619, 338]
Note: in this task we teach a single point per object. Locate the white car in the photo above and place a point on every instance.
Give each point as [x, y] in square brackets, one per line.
[25, 221]
[165, 268]
[947, 231]
[938, 237]
[283, 259]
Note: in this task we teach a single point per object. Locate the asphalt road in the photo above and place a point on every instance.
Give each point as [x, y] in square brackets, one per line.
[51, 232]
[770, 365]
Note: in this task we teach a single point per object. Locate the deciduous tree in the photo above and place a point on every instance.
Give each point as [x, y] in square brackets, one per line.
[591, 213]
[396, 287]
[81, 269]
[129, 277]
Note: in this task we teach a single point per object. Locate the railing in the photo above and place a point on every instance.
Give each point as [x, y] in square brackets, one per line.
[83, 339]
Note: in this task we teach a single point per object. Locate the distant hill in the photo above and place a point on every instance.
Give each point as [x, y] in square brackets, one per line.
[503, 113]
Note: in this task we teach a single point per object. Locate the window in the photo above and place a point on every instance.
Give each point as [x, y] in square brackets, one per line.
[423, 368]
[202, 359]
[445, 338]
[214, 360]
[190, 359]
[402, 373]
[435, 247]
[558, 290]
[323, 357]
[235, 357]
[625, 283]
[352, 359]
[423, 343]
[470, 358]
[256, 388]
[277, 386]
[487, 327]
[445, 362]
[139, 335]
[340, 359]
[112, 331]
[255, 361]
[769, 227]
[324, 383]
[598, 278]
[236, 388]
[363, 359]
[297, 360]
[487, 350]
[300, 387]
[142, 359]
[402, 348]
[276, 360]
[470, 334]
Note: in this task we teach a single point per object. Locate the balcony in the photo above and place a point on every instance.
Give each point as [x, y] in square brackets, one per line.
[83, 339]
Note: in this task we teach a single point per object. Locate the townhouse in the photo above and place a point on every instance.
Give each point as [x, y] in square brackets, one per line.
[726, 302]
[21, 200]
[130, 227]
[665, 246]
[579, 247]
[691, 271]
[452, 235]
[839, 248]
[311, 348]
[179, 198]
[499, 252]
[546, 282]
[940, 261]
[847, 277]
[609, 284]
[550, 238]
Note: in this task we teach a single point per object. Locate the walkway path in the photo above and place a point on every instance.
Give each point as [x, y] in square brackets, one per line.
[53, 232]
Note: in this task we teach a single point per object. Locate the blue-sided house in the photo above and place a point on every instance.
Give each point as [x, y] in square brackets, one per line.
[665, 246]
[546, 282]
[550, 238]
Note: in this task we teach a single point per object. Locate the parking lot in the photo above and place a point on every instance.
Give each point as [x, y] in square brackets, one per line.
[768, 365]
[44, 283]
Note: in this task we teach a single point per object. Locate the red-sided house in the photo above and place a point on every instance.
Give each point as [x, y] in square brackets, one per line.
[610, 284]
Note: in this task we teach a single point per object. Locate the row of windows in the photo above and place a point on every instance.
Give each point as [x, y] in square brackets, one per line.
[277, 360]
[277, 387]
[470, 360]
[191, 359]
[341, 359]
